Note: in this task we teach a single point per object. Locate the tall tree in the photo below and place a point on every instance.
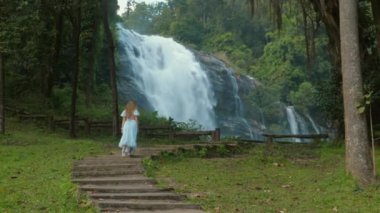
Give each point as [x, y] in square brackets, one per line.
[92, 55]
[358, 160]
[76, 22]
[2, 104]
[59, 20]
[112, 68]
[376, 17]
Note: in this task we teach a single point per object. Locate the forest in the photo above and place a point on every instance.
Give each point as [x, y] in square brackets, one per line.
[285, 51]
[60, 58]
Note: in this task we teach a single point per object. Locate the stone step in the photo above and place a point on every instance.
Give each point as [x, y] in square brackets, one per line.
[111, 204]
[120, 210]
[105, 164]
[123, 188]
[138, 196]
[129, 179]
[108, 173]
[111, 180]
[118, 184]
[118, 160]
[112, 160]
[107, 167]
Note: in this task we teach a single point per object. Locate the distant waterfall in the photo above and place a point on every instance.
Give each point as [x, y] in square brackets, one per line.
[239, 110]
[291, 115]
[315, 127]
[172, 81]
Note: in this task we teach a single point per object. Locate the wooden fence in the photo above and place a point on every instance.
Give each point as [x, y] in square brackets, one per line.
[270, 137]
[89, 126]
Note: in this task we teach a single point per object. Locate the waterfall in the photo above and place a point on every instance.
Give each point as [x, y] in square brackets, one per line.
[316, 129]
[164, 76]
[239, 109]
[172, 80]
[291, 115]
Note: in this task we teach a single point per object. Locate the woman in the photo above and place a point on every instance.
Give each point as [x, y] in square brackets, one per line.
[129, 128]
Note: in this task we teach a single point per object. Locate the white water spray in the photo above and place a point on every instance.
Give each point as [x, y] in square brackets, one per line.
[172, 80]
[291, 115]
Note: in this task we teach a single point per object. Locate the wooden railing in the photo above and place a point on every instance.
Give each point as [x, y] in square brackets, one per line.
[88, 126]
[168, 131]
[317, 137]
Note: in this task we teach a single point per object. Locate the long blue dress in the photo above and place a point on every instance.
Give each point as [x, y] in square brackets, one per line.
[129, 131]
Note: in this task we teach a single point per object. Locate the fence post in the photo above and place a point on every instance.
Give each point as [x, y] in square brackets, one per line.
[216, 134]
[87, 125]
[51, 122]
[269, 143]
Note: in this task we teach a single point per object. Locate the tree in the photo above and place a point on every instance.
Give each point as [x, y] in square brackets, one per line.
[76, 22]
[376, 17]
[92, 55]
[2, 104]
[358, 160]
[57, 47]
[112, 69]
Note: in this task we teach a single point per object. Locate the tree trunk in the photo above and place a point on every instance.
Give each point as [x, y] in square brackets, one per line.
[358, 155]
[76, 35]
[307, 39]
[91, 60]
[376, 17]
[2, 98]
[328, 11]
[57, 50]
[112, 69]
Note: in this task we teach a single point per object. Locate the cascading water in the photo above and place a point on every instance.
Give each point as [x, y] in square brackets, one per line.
[291, 114]
[169, 76]
[164, 76]
[316, 129]
[239, 110]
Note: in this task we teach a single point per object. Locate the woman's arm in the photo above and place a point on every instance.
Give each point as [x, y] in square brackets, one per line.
[123, 122]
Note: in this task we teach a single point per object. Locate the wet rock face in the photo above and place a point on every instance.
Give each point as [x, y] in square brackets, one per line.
[228, 90]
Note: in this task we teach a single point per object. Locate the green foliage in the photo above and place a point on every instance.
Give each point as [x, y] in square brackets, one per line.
[282, 64]
[190, 125]
[304, 97]
[140, 19]
[188, 31]
[239, 53]
[40, 56]
[152, 118]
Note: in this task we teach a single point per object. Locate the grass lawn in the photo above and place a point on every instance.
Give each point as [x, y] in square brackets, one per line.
[293, 179]
[35, 170]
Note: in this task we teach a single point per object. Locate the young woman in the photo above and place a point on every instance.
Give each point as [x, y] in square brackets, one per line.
[129, 128]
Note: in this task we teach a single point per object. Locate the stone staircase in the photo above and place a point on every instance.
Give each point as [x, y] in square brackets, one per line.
[118, 184]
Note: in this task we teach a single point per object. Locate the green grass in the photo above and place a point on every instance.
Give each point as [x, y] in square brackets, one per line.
[35, 176]
[292, 179]
[35, 169]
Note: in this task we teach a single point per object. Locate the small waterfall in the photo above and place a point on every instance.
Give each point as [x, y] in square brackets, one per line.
[291, 115]
[169, 76]
[316, 129]
[239, 109]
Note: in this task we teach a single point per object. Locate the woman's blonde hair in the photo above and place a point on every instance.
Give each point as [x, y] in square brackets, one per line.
[130, 108]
